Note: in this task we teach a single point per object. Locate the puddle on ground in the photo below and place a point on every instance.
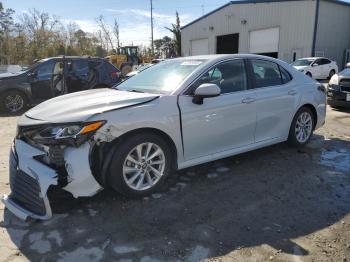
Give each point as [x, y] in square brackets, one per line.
[338, 159]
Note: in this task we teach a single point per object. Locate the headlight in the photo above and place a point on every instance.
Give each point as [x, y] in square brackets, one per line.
[301, 70]
[70, 134]
[334, 80]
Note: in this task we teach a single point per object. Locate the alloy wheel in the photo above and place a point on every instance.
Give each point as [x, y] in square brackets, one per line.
[303, 127]
[144, 166]
[14, 103]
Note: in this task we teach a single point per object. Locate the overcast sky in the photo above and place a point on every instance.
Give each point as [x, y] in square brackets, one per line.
[133, 15]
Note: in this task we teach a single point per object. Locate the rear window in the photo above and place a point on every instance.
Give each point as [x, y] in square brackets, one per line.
[266, 73]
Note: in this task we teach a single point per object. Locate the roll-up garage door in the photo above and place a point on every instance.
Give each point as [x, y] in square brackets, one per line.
[264, 41]
[200, 47]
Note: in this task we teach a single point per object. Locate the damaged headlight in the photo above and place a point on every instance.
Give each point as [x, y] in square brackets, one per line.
[70, 134]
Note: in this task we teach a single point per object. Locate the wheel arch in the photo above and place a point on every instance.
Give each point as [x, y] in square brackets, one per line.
[101, 153]
[313, 110]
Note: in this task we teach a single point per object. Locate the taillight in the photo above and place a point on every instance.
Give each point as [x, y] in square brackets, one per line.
[115, 74]
[321, 88]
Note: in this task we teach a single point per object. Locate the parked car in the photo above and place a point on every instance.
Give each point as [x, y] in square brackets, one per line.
[316, 67]
[10, 70]
[52, 77]
[138, 70]
[338, 93]
[177, 114]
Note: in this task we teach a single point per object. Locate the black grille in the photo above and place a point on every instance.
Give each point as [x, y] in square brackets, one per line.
[345, 85]
[25, 191]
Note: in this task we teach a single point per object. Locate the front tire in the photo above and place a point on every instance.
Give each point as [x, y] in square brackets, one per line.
[13, 102]
[309, 74]
[302, 127]
[140, 165]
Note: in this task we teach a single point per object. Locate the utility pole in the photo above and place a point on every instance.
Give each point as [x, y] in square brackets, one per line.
[202, 9]
[152, 46]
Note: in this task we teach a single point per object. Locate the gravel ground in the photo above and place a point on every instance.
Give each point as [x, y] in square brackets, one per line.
[273, 204]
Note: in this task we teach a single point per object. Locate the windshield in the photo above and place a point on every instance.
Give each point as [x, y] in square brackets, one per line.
[303, 62]
[161, 78]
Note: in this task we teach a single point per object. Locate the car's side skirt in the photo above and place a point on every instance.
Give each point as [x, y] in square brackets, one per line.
[230, 152]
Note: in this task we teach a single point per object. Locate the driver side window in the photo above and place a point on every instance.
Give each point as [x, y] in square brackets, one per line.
[229, 76]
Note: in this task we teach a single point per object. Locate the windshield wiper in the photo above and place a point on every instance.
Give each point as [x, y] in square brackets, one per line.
[135, 90]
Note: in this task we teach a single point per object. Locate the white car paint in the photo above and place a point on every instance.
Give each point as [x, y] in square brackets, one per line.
[222, 126]
[317, 68]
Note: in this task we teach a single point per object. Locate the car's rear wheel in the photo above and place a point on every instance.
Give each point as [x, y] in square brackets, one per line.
[331, 73]
[140, 164]
[302, 127]
[13, 102]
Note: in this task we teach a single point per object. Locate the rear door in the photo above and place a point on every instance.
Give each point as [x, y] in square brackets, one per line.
[276, 100]
[223, 122]
[77, 77]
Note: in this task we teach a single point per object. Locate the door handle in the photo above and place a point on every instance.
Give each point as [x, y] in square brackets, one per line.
[248, 100]
[292, 92]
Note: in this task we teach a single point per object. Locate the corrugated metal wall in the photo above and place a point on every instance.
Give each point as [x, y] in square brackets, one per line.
[333, 32]
[295, 19]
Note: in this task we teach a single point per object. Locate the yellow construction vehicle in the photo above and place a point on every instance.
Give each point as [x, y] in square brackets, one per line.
[125, 59]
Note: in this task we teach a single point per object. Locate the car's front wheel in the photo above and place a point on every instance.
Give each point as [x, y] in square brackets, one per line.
[13, 102]
[140, 164]
[302, 127]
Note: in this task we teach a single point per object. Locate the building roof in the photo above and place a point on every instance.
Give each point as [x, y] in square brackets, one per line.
[253, 2]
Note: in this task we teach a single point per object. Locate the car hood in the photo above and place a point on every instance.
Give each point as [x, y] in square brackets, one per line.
[80, 106]
[300, 67]
[9, 76]
[345, 73]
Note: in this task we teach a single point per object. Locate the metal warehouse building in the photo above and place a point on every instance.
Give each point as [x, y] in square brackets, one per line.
[283, 29]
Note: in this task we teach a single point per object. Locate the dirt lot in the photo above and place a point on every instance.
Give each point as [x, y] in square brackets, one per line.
[274, 204]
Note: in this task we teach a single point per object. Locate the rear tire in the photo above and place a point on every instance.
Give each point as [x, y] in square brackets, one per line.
[13, 102]
[302, 128]
[139, 165]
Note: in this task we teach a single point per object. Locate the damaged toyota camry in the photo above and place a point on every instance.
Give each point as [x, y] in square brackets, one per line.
[179, 113]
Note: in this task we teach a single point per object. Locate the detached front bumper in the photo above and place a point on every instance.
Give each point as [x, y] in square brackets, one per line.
[29, 182]
[30, 179]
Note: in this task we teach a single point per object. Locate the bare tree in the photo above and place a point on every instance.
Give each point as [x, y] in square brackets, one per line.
[105, 30]
[116, 32]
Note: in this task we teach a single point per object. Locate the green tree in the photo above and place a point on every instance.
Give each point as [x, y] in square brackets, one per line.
[176, 30]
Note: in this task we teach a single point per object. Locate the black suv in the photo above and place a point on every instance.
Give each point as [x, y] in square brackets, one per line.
[52, 77]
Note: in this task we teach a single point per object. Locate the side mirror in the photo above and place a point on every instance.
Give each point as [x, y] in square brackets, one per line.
[315, 64]
[32, 74]
[347, 65]
[205, 91]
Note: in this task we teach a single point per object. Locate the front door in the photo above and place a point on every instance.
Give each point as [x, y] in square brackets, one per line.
[220, 123]
[276, 100]
[40, 80]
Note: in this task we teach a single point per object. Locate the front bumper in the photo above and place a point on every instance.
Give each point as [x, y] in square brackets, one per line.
[30, 179]
[29, 182]
[337, 98]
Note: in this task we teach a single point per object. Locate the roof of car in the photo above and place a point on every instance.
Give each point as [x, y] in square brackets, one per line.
[76, 57]
[226, 56]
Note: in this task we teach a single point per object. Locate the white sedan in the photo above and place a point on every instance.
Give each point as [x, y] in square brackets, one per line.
[176, 114]
[316, 67]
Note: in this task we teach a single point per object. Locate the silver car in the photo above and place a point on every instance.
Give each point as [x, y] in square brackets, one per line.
[176, 114]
